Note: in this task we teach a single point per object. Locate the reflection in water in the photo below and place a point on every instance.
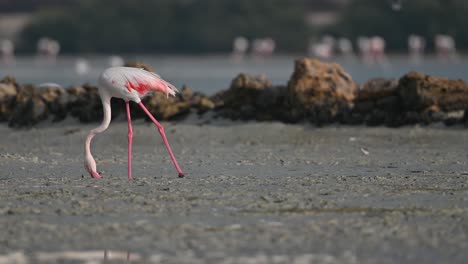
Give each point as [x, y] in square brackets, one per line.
[107, 256]
[14, 258]
[209, 74]
[88, 257]
[118, 255]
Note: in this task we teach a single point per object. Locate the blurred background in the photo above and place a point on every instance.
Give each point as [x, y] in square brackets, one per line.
[205, 43]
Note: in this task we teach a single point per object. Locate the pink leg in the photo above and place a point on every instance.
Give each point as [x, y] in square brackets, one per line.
[163, 135]
[130, 140]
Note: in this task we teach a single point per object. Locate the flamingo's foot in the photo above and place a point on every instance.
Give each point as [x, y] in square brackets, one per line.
[181, 175]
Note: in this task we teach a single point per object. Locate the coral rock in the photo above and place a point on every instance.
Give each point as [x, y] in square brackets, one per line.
[376, 89]
[320, 91]
[8, 92]
[421, 91]
[239, 101]
[166, 108]
[85, 103]
[29, 108]
[56, 98]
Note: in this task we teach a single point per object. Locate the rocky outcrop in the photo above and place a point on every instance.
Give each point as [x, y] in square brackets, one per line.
[414, 98]
[166, 108]
[56, 98]
[434, 98]
[8, 92]
[85, 103]
[240, 100]
[28, 108]
[422, 92]
[200, 102]
[320, 92]
[163, 107]
[317, 92]
[377, 103]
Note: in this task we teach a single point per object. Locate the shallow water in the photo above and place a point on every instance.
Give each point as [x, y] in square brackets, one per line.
[209, 74]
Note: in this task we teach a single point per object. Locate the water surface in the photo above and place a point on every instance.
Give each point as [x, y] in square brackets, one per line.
[209, 74]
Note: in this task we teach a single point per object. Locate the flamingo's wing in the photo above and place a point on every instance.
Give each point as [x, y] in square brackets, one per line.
[143, 81]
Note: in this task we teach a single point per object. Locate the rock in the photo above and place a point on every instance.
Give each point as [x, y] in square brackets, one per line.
[75, 93]
[8, 91]
[166, 108]
[204, 104]
[389, 104]
[244, 90]
[245, 81]
[271, 104]
[270, 96]
[218, 99]
[239, 102]
[319, 91]
[29, 108]
[376, 89]
[199, 101]
[364, 106]
[378, 103]
[140, 65]
[85, 103]
[420, 92]
[56, 99]
[186, 93]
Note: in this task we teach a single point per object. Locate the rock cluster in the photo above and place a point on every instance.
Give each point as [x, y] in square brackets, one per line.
[414, 98]
[377, 103]
[25, 106]
[324, 93]
[8, 91]
[317, 92]
[250, 97]
[320, 92]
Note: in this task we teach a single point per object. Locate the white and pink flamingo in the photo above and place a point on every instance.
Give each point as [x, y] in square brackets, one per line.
[129, 84]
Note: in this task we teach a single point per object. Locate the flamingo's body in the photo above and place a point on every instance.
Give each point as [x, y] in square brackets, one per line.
[129, 84]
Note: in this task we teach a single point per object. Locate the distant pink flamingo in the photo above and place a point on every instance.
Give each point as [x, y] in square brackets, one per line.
[129, 84]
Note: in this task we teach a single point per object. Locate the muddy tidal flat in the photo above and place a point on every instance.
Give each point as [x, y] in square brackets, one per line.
[253, 193]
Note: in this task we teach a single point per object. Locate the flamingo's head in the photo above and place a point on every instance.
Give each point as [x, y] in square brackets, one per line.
[90, 166]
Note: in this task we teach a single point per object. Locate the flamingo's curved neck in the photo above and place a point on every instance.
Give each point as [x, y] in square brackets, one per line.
[104, 125]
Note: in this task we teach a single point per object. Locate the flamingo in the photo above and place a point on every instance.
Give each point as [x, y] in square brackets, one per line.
[129, 84]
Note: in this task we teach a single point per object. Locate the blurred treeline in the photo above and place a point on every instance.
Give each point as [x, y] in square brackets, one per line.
[168, 25]
[422, 17]
[197, 26]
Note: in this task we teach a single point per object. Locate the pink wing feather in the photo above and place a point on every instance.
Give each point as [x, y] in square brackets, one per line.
[143, 81]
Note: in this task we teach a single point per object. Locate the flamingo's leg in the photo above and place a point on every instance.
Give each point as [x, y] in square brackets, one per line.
[130, 140]
[163, 135]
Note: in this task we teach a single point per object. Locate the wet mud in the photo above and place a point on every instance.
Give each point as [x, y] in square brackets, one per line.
[253, 193]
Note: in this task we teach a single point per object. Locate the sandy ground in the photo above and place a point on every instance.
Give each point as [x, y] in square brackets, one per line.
[253, 193]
